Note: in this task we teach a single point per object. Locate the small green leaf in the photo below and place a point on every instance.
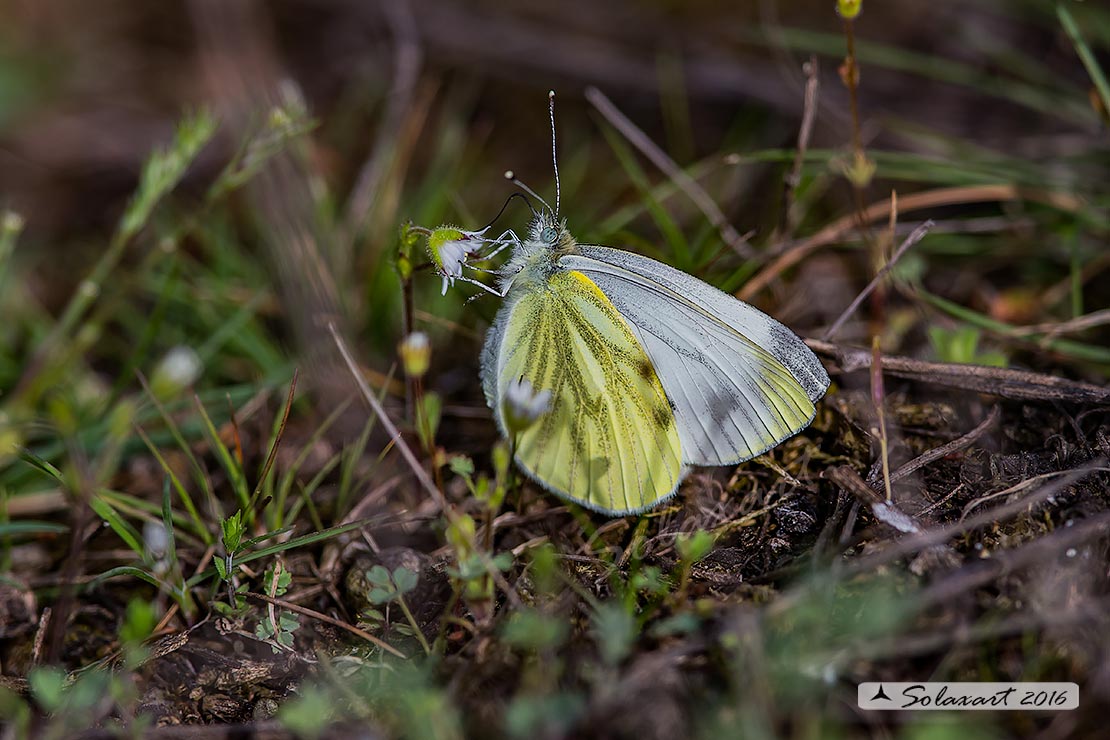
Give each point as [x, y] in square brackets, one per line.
[693, 547]
[460, 534]
[379, 576]
[405, 580]
[138, 623]
[432, 407]
[48, 687]
[548, 715]
[482, 488]
[381, 596]
[677, 624]
[461, 465]
[615, 630]
[650, 579]
[307, 715]
[535, 630]
[233, 531]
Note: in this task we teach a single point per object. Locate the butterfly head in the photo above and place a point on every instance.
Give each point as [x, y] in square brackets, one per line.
[548, 232]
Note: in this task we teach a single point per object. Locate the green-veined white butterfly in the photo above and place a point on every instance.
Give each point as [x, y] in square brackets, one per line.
[648, 369]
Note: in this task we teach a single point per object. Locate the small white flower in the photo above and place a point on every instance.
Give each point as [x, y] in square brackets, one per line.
[179, 368]
[450, 247]
[155, 537]
[523, 406]
[453, 254]
[182, 365]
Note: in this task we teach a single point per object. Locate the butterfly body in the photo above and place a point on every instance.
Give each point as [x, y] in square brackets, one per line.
[535, 259]
[649, 370]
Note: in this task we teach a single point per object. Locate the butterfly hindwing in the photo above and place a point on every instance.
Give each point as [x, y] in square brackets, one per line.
[609, 440]
[739, 381]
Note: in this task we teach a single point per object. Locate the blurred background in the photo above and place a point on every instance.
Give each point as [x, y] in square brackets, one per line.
[192, 191]
[415, 108]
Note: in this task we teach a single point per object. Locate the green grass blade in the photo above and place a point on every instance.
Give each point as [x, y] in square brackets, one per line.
[1085, 55]
[182, 492]
[119, 525]
[1068, 347]
[124, 570]
[233, 469]
[31, 526]
[294, 543]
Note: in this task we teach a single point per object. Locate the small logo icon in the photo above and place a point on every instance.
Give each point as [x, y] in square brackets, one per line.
[880, 694]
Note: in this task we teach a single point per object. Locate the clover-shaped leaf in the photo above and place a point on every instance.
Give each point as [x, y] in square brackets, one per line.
[404, 579]
[381, 595]
[379, 576]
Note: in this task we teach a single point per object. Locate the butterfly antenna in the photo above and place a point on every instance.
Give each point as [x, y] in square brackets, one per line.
[554, 159]
[512, 178]
[509, 200]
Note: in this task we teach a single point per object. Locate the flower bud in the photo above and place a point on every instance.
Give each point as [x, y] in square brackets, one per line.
[416, 354]
[849, 9]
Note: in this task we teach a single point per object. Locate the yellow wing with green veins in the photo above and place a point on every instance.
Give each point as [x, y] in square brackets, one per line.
[609, 440]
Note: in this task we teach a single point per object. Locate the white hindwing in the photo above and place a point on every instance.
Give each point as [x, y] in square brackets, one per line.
[739, 381]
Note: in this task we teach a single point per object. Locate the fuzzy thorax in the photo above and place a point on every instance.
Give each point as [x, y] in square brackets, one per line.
[534, 258]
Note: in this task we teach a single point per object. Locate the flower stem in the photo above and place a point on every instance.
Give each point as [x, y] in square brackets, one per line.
[415, 627]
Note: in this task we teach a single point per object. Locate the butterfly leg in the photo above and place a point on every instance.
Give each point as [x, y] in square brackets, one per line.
[483, 286]
[508, 239]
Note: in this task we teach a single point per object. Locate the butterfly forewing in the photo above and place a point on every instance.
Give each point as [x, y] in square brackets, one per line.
[609, 440]
[739, 381]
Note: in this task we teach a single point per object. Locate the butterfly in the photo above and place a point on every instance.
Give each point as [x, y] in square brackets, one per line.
[645, 370]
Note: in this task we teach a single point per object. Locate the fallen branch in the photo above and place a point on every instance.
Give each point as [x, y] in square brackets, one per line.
[1003, 382]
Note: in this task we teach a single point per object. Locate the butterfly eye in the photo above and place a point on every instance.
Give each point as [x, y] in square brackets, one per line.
[549, 235]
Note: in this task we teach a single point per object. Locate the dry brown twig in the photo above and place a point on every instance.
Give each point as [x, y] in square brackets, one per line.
[1052, 330]
[883, 508]
[1014, 489]
[945, 450]
[320, 616]
[983, 571]
[809, 115]
[915, 236]
[849, 480]
[930, 537]
[670, 168]
[1003, 382]
[792, 254]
